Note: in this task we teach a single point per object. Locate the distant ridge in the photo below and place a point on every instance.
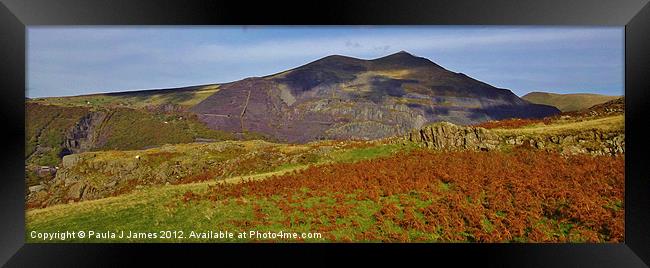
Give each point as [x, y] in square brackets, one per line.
[568, 102]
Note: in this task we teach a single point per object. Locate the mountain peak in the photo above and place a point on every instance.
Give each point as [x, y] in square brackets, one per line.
[403, 52]
[335, 61]
[406, 59]
[400, 58]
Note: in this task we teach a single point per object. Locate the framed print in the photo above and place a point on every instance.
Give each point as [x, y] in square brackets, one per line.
[510, 132]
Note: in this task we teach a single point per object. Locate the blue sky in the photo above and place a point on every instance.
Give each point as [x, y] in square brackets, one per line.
[64, 61]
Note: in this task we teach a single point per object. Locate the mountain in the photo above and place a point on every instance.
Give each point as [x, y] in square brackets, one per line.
[339, 97]
[568, 102]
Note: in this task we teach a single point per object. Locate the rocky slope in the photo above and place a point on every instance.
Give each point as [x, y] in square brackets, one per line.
[54, 131]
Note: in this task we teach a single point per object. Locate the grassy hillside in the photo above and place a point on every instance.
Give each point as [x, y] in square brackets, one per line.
[567, 102]
[183, 97]
[130, 129]
[48, 126]
[124, 129]
[45, 126]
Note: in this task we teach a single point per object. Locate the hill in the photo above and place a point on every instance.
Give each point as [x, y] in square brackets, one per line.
[568, 102]
[54, 131]
[612, 107]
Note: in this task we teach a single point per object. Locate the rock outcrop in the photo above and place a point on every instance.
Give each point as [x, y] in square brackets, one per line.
[587, 142]
[447, 136]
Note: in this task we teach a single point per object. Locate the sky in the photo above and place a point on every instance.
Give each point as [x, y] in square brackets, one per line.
[66, 61]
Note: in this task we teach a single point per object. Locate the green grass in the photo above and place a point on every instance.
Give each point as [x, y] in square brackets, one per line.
[158, 208]
[445, 186]
[358, 154]
[161, 208]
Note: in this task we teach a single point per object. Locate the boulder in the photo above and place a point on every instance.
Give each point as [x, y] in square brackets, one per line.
[36, 188]
[75, 192]
[44, 171]
[69, 161]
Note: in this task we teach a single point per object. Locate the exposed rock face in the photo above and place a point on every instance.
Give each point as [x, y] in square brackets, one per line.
[82, 137]
[340, 97]
[447, 136]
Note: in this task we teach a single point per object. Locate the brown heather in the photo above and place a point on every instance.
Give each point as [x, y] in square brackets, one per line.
[520, 196]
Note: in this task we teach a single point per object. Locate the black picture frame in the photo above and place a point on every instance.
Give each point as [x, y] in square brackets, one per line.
[16, 15]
